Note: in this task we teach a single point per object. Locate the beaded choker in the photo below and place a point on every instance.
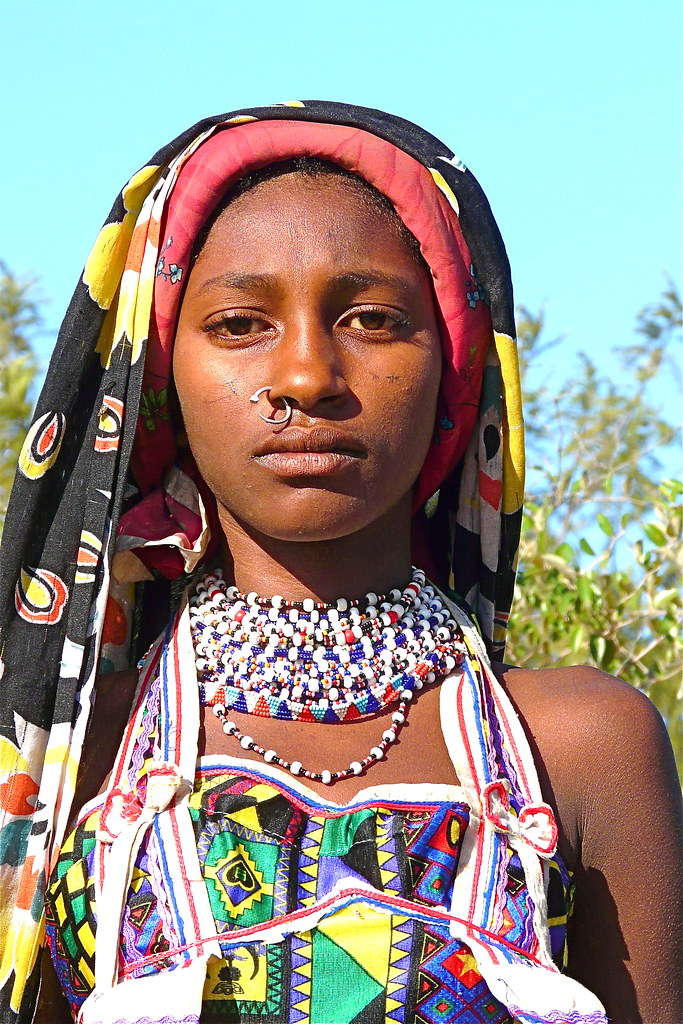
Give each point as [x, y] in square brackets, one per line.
[311, 662]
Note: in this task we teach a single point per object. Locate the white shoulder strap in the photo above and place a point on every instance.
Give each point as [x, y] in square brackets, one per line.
[169, 781]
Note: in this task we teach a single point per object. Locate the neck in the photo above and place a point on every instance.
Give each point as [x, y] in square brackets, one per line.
[376, 558]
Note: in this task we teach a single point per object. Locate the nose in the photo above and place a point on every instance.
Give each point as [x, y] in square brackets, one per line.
[308, 366]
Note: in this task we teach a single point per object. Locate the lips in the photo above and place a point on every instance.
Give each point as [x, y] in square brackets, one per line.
[314, 451]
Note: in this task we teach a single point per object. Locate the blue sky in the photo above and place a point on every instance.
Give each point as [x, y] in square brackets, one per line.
[569, 115]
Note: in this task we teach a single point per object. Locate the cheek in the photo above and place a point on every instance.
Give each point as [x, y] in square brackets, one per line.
[207, 403]
[203, 381]
[407, 413]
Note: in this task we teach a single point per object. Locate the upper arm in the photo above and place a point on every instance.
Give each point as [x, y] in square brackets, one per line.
[625, 943]
[52, 1005]
[113, 700]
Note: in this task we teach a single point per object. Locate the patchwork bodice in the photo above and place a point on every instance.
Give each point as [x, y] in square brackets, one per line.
[223, 889]
[266, 851]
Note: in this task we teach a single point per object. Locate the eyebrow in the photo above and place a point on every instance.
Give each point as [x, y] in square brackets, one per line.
[356, 280]
[241, 282]
[365, 279]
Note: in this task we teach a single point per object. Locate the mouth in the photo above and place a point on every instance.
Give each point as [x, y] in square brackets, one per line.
[311, 452]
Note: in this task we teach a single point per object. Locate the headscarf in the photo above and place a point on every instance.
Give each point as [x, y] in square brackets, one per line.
[105, 504]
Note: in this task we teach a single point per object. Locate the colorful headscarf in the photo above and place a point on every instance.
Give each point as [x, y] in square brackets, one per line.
[104, 500]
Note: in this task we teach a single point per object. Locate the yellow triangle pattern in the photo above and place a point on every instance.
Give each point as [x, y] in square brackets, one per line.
[356, 937]
[308, 887]
[248, 817]
[388, 878]
[316, 834]
[313, 851]
[390, 882]
[304, 988]
[395, 955]
[261, 791]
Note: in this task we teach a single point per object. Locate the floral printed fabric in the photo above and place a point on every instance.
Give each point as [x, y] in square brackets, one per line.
[105, 403]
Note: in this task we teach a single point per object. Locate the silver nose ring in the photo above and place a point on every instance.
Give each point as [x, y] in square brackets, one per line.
[278, 421]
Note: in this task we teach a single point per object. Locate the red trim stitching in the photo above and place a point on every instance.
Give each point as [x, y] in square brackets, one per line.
[328, 810]
[473, 775]
[392, 901]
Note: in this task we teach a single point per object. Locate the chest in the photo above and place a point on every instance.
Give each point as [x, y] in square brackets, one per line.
[419, 755]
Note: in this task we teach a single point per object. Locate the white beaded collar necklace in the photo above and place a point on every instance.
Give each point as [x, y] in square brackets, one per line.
[311, 662]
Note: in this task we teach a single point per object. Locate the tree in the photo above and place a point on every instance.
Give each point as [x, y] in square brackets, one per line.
[600, 557]
[20, 319]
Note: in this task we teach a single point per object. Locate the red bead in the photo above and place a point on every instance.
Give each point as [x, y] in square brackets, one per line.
[239, 614]
[349, 636]
[393, 616]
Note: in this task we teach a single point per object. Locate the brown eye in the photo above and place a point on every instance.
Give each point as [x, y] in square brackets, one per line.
[241, 325]
[372, 320]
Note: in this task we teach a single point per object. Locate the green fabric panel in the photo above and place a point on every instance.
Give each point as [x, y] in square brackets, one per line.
[339, 833]
[341, 988]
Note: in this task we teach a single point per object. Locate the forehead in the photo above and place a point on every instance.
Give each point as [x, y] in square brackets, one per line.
[324, 217]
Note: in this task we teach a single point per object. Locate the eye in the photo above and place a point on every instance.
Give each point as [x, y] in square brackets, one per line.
[236, 325]
[374, 321]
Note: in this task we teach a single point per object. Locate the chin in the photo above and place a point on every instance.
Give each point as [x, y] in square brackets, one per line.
[312, 520]
[315, 528]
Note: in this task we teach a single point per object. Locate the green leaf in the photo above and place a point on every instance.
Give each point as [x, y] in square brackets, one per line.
[584, 590]
[654, 534]
[585, 546]
[607, 659]
[672, 488]
[598, 646]
[564, 551]
[604, 524]
[577, 638]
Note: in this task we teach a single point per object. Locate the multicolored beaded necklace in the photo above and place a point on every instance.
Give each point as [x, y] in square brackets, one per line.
[311, 662]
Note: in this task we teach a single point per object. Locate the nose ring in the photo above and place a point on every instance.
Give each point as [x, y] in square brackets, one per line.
[274, 419]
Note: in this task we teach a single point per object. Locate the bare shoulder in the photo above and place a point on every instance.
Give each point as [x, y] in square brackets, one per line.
[579, 704]
[599, 743]
[606, 765]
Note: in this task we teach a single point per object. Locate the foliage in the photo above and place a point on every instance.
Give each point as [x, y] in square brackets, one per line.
[600, 558]
[20, 319]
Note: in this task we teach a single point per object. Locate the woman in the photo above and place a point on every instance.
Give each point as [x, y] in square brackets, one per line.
[289, 371]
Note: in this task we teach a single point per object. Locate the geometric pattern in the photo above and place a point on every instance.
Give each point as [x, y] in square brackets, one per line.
[449, 986]
[516, 906]
[262, 856]
[561, 886]
[70, 920]
[247, 985]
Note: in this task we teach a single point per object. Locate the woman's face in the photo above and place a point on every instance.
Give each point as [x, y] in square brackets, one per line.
[305, 287]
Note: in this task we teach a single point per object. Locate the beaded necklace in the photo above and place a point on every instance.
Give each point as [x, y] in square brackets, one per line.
[311, 662]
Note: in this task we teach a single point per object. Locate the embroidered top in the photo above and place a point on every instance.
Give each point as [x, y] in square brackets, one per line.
[281, 906]
[265, 851]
